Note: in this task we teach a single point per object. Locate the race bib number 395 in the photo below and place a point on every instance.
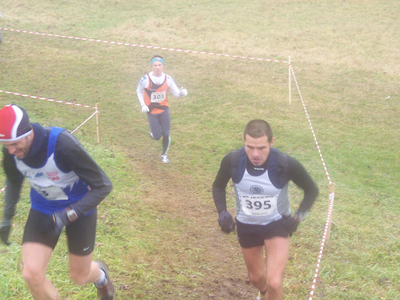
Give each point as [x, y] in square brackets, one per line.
[158, 96]
[258, 205]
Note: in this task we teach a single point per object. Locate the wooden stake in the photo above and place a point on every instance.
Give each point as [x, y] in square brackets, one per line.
[98, 123]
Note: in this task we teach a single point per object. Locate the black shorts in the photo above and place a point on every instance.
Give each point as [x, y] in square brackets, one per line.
[250, 235]
[81, 234]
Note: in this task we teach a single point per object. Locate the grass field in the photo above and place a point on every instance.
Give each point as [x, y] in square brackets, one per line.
[157, 230]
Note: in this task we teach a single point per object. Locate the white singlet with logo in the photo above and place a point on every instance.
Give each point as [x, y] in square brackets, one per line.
[256, 199]
[48, 180]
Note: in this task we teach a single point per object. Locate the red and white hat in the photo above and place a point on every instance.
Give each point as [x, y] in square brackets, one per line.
[14, 123]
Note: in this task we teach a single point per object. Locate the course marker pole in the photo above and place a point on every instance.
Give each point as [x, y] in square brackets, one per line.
[290, 83]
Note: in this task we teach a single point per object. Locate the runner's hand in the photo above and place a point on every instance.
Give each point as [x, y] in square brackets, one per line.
[182, 91]
[57, 222]
[145, 109]
[291, 224]
[225, 221]
[4, 234]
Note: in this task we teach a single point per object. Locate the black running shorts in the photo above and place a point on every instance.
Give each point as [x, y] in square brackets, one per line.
[250, 235]
[81, 234]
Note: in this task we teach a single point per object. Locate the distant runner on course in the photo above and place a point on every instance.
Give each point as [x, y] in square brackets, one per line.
[152, 92]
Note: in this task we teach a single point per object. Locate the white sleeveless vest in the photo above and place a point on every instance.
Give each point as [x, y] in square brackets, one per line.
[51, 188]
[258, 201]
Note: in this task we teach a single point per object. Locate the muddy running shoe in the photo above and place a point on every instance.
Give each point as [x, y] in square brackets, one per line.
[164, 159]
[106, 291]
[260, 296]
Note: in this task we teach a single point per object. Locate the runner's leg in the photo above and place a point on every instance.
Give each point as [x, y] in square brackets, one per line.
[254, 259]
[154, 124]
[81, 236]
[37, 247]
[83, 269]
[165, 121]
[276, 253]
[35, 258]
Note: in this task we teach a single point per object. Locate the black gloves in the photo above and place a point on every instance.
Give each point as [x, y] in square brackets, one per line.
[290, 223]
[225, 221]
[56, 223]
[4, 234]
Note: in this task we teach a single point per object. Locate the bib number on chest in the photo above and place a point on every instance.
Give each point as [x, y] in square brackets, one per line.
[258, 205]
[54, 193]
[158, 96]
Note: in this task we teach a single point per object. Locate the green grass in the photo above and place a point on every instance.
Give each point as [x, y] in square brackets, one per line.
[158, 228]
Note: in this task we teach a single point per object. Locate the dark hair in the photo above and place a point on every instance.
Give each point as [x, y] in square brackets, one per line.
[258, 128]
[159, 56]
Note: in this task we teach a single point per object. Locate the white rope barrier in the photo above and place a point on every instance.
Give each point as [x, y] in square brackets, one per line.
[312, 129]
[64, 102]
[331, 193]
[47, 99]
[324, 238]
[91, 116]
[141, 46]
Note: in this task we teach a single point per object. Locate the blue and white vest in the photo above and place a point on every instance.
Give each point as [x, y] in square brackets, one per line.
[261, 199]
[51, 188]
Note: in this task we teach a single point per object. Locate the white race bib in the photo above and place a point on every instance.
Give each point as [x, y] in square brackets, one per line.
[50, 192]
[258, 205]
[158, 96]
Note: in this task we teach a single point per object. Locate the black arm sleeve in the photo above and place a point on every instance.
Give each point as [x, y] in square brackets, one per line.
[220, 183]
[14, 180]
[299, 175]
[71, 156]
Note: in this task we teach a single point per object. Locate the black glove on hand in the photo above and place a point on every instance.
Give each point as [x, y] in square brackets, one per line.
[225, 221]
[57, 222]
[5, 233]
[291, 224]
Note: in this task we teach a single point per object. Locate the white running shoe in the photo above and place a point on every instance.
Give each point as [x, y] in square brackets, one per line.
[164, 158]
